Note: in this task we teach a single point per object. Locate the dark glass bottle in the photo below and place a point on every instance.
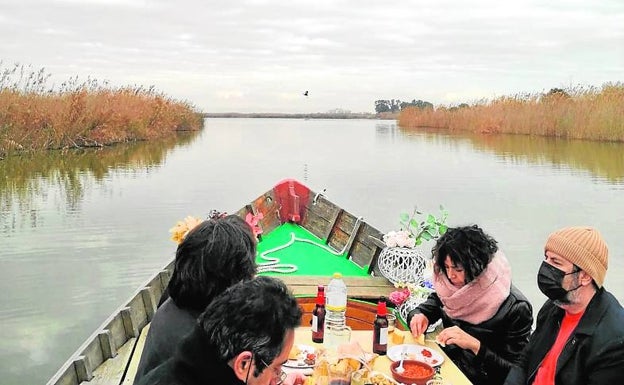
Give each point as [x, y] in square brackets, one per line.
[318, 316]
[380, 328]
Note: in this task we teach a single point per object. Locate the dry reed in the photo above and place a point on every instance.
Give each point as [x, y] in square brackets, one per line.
[577, 113]
[83, 114]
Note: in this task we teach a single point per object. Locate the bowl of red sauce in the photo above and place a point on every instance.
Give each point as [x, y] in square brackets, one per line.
[415, 372]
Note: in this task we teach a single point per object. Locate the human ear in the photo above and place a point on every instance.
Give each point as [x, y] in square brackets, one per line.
[585, 278]
[241, 364]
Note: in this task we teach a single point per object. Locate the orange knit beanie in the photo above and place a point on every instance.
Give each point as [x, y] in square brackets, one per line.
[583, 246]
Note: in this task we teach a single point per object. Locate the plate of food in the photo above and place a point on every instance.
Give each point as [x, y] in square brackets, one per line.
[301, 356]
[415, 352]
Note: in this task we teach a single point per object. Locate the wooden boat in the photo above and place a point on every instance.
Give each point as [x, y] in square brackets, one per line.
[289, 209]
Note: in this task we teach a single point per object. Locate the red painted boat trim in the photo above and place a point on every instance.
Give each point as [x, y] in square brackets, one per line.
[291, 196]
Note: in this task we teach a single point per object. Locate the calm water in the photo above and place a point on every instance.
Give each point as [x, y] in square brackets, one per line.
[80, 231]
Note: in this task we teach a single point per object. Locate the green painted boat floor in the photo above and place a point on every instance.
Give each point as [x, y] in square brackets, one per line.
[310, 259]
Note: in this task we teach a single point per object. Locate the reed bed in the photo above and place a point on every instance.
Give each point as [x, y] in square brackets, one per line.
[83, 114]
[578, 113]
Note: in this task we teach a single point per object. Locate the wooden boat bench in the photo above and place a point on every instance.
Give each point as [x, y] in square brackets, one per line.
[133, 363]
[360, 314]
[368, 288]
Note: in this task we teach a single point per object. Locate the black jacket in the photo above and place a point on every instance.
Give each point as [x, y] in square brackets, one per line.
[594, 353]
[502, 337]
[168, 327]
[195, 362]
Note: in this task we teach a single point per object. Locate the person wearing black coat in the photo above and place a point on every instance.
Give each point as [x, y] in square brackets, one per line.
[579, 336]
[486, 320]
[243, 337]
[214, 255]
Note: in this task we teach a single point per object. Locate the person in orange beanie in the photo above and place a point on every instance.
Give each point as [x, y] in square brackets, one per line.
[579, 335]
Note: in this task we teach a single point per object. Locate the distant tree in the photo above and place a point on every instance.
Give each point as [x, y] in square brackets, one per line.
[463, 105]
[382, 106]
[417, 103]
[423, 104]
[557, 92]
[396, 105]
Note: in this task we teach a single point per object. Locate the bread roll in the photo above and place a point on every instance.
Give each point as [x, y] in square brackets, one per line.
[397, 337]
[294, 353]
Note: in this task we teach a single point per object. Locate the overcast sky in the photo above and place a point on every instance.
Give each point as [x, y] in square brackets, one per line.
[261, 55]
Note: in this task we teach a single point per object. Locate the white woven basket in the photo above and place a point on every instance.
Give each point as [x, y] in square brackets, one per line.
[402, 265]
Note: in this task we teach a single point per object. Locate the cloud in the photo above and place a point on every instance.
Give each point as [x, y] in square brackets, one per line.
[250, 55]
[107, 3]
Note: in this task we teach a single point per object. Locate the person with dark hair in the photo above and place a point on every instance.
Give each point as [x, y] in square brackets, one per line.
[487, 320]
[213, 256]
[243, 337]
[579, 334]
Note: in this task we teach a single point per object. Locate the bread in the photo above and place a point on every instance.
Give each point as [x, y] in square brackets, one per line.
[397, 337]
[321, 369]
[345, 365]
[294, 353]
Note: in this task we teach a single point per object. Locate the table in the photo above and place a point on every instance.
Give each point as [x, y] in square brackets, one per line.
[448, 370]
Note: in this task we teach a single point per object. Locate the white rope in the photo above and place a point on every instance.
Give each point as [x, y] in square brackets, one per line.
[273, 264]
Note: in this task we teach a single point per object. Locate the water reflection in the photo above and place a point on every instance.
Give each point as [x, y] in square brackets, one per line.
[29, 177]
[602, 159]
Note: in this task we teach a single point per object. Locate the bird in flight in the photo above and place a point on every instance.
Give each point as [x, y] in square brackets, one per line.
[305, 93]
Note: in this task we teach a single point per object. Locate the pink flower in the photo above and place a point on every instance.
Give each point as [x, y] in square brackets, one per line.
[252, 221]
[397, 297]
[404, 239]
[390, 239]
[400, 238]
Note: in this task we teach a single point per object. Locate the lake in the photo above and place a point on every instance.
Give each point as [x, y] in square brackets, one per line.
[81, 230]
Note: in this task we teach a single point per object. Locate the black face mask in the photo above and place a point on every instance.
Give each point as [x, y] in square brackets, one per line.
[550, 280]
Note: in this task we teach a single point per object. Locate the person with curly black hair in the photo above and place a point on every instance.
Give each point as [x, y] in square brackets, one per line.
[243, 337]
[486, 319]
[213, 256]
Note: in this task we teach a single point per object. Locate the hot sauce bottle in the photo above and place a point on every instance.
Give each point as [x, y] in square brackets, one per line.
[318, 316]
[380, 328]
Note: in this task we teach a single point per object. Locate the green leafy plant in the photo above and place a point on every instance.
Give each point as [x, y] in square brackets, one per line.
[427, 229]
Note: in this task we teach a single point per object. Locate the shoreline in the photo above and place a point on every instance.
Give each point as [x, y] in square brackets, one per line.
[313, 115]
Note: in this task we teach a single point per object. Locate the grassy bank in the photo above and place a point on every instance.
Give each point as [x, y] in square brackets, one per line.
[576, 113]
[36, 117]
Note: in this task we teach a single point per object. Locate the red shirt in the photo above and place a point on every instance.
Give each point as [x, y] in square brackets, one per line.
[546, 372]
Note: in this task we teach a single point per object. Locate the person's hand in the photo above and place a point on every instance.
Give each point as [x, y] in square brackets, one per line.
[456, 336]
[294, 378]
[418, 325]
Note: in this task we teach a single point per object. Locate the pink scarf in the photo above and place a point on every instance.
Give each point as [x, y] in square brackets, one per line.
[478, 300]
